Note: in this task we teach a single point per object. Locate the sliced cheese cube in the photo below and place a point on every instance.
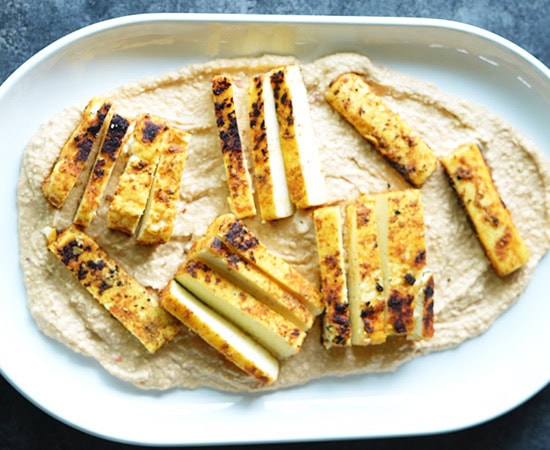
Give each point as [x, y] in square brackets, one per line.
[352, 97]
[336, 321]
[82, 143]
[269, 170]
[239, 239]
[248, 277]
[471, 179]
[134, 184]
[403, 255]
[306, 183]
[367, 297]
[222, 335]
[102, 170]
[241, 199]
[280, 336]
[120, 293]
[157, 223]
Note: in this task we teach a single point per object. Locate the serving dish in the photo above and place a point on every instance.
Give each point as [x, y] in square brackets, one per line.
[480, 379]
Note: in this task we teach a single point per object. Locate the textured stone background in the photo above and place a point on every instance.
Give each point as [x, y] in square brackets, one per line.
[27, 26]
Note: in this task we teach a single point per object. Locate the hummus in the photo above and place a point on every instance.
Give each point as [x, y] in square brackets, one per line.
[469, 295]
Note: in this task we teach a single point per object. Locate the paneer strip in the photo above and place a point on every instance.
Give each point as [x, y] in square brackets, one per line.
[241, 198]
[75, 152]
[121, 294]
[238, 238]
[134, 184]
[471, 179]
[278, 335]
[424, 309]
[235, 345]
[248, 277]
[269, 169]
[352, 97]
[160, 213]
[367, 296]
[328, 233]
[305, 178]
[102, 170]
[405, 259]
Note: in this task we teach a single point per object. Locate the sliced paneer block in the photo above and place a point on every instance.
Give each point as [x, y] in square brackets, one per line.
[235, 345]
[367, 297]
[424, 309]
[74, 154]
[134, 184]
[336, 321]
[352, 97]
[102, 170]
[238, 238]
[248, 277]
[157, 223]
[305, 178]
[121, 294]
[241, 198]
[471, 179]
[269, 169]
[278, 335]
[403, 255]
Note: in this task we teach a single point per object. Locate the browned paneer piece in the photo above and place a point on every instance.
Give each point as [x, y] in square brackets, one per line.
[241, 198]
[121, 294]
[353, 98]
[76, 151]
[471, 179]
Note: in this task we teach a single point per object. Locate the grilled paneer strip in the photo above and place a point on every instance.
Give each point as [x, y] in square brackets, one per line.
[241, 199]
[269, 170]
[280, 336]
[424, 309]
[102, 169]
[74, 154]
[306, 183]
[352, 97]
[403, 250]
[134, 185]
[471, 179]
[367, 297]
[239, 239]
[219, 333]
[336, 321]
[157, 223]
[114, 288]
[248, 277]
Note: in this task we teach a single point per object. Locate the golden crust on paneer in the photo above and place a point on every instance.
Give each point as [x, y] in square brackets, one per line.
[241, 198]
[269, 170]
[102, 170]
[236, 236]
[157, 223]
[367, 297]
[134, 185]
[76, 151]
[212, 251]
[389, 289]
[269, 328]
[120, 293]
[328, 234]
[405, 259]
[351, 96]
[471, 179]
[222, 335]
[305, 178]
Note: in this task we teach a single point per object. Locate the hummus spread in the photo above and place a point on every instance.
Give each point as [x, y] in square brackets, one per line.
[469, 295]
